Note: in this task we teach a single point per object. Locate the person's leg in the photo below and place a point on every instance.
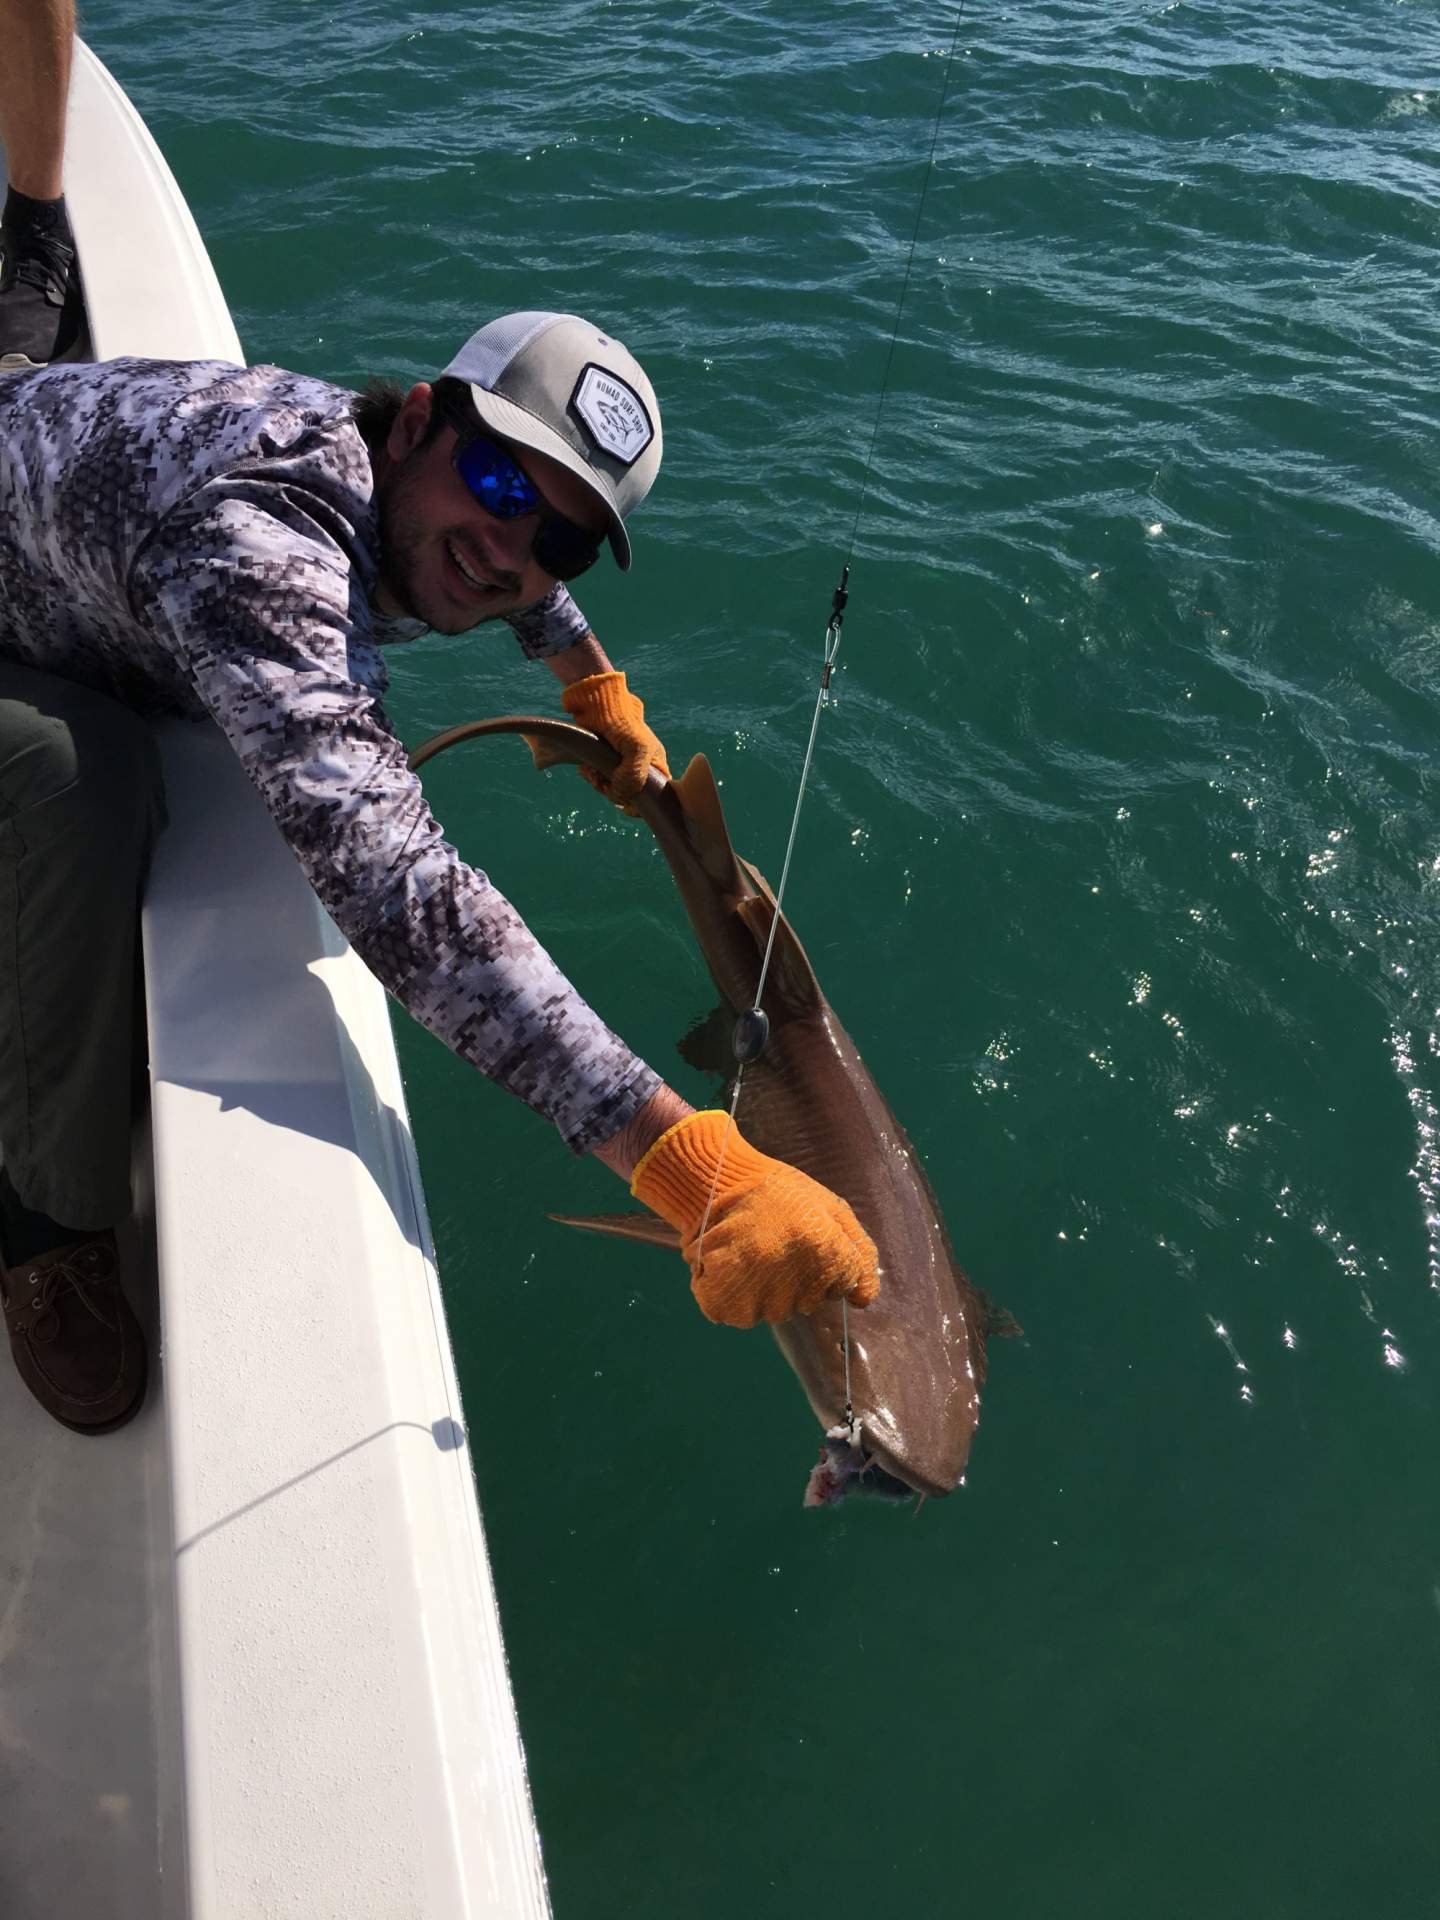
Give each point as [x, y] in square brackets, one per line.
[38, 36]
[81, 801]
[39, 296]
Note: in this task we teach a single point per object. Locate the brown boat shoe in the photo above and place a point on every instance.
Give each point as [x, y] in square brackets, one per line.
[76, 1342]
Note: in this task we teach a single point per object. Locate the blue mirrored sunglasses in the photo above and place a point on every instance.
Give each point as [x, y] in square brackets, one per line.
[504, 489]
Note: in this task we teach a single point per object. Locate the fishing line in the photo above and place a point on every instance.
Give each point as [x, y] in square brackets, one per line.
[909, 263]
[752, 1028]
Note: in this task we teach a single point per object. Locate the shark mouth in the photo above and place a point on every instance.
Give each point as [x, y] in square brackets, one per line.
[845, 1468]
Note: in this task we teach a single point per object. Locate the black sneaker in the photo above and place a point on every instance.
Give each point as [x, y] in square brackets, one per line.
[40, 307]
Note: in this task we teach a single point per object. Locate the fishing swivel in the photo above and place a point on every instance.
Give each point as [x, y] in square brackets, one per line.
[832, 631]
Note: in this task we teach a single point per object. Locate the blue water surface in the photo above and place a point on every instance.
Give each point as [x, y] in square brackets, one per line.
[1121, 862]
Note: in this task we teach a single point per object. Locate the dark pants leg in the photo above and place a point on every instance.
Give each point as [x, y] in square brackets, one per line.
[81, 802]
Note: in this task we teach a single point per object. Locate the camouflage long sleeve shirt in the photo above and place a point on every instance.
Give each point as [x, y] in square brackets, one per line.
[198, 539]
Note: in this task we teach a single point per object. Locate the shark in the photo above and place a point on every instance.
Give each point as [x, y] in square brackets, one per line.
[896, 1388]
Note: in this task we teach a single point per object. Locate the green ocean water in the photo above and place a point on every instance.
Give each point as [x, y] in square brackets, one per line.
[1121, 863]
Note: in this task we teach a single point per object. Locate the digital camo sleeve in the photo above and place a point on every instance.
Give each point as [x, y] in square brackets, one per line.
[553, 625]
[253, 589]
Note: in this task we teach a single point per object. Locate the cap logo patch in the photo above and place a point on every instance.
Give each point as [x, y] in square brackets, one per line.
[613, 414]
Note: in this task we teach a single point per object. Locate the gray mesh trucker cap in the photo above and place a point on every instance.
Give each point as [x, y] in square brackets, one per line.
[553, 382]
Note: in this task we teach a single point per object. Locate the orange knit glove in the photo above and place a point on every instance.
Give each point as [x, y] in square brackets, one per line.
[777, 1243]
[605, 705]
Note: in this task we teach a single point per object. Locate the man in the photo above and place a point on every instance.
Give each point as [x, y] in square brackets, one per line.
[202, 539]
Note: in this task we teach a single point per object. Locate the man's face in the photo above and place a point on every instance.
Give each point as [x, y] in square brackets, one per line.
[443, 558]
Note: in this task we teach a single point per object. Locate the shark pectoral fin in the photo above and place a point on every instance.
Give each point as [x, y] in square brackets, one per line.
[791, 977]
[1000, 1323]
[647, 1227]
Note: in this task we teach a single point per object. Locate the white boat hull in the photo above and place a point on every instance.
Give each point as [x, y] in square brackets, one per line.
[252, 1662]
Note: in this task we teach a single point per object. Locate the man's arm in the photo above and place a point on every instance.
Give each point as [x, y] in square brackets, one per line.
[597, 697]
[624, 1150]
[261, 602]
[251, 586]
[579, 662]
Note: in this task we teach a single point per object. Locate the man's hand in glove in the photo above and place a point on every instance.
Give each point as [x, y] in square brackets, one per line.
[605, 705]
[776, 1244]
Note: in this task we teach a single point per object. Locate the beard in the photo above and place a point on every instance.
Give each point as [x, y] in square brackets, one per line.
[411, 557]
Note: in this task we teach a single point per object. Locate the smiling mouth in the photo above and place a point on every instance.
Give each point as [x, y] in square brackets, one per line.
[478, 581]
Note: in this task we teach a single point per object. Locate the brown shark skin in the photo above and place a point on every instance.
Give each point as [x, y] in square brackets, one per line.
[917, 1354]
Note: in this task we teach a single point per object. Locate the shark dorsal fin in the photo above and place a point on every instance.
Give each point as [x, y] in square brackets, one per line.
[705, 825]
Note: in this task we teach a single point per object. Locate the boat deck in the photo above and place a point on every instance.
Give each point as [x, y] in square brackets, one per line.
[86, 1638]
[250, 1657]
